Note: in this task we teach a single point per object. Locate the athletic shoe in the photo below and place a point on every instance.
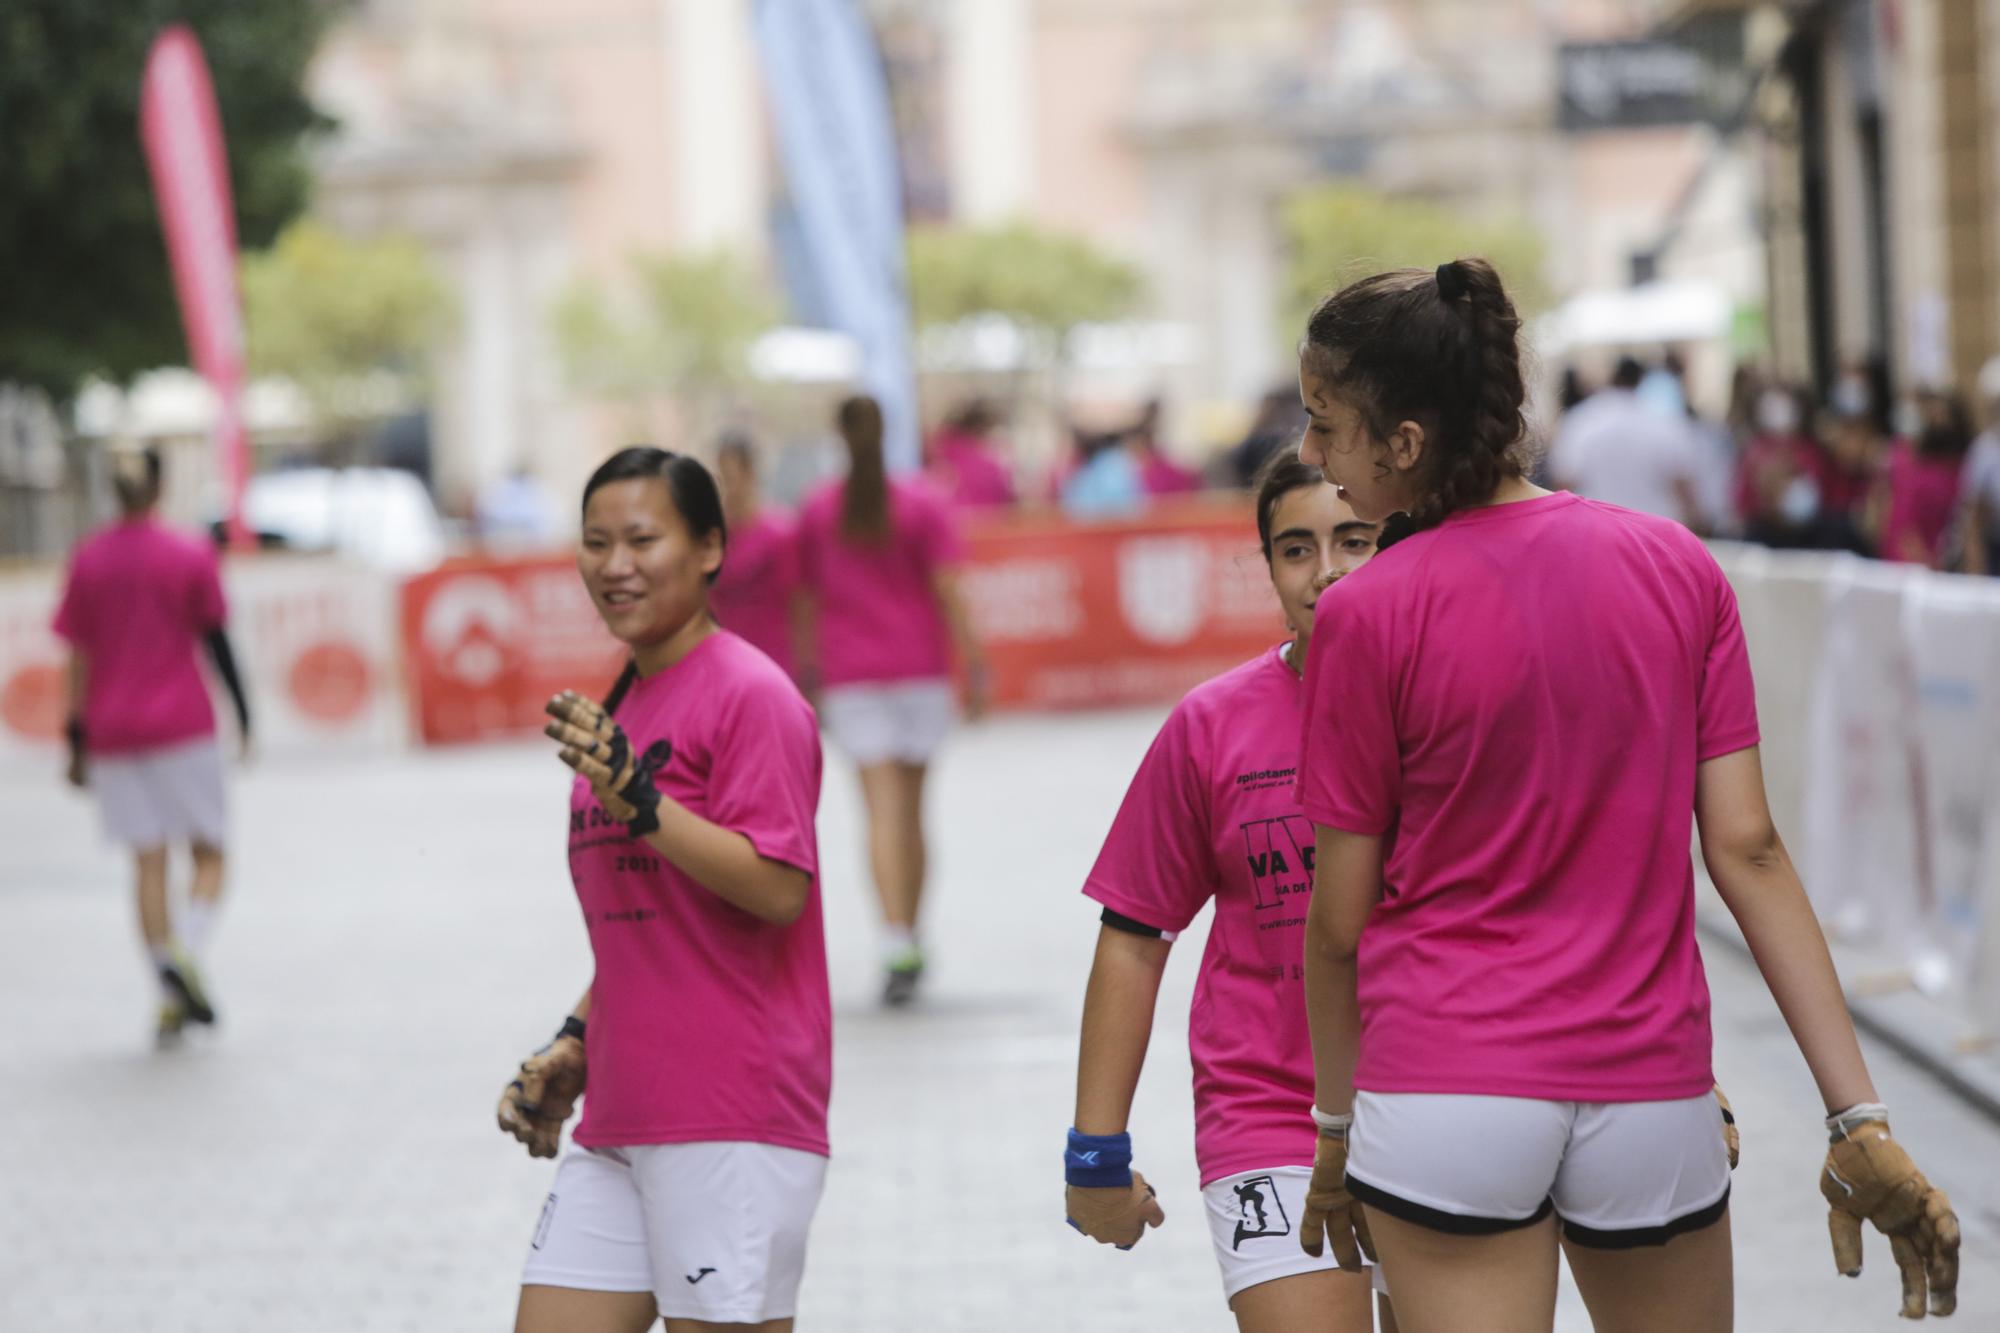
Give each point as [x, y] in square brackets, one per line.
[183, 980]
[173, 1021]
[904, 972]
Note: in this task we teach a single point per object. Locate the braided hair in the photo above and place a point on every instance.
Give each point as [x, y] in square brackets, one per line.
[1441, 349]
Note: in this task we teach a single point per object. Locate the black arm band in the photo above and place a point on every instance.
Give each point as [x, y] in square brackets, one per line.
[74, 733]
[572, 1027]
[1119, 921]
[225, 667]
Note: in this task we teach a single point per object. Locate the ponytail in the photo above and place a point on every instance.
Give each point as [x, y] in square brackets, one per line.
[864, 507]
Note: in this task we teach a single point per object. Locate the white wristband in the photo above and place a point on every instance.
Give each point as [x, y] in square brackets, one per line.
[1333, 1126]
[1842, 1123]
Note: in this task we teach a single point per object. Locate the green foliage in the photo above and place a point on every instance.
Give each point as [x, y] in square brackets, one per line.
[84, 283]
[687, 329]
[1336, 234]
[350, 322]
[1044, 280]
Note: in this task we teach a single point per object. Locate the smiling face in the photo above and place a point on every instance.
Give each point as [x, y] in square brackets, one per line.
[1377, 477]
[1316, 539]
[647, 574]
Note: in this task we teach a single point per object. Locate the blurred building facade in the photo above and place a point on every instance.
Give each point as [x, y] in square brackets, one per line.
[528, 141]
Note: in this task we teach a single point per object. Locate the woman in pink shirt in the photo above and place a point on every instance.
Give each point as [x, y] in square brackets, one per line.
[752, 595]
[961, 460]
[879, 618]
[1918, 489]
[1212, 814]
[1512, 717]
[705, 1036]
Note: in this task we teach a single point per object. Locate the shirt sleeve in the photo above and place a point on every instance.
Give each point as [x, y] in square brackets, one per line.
[1350, 760]
[1157, 865]
[1726, 706]
[765, 775]
[209, 609]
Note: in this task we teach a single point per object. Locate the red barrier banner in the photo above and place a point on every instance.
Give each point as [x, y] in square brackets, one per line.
[487, 642]
[1126, 612]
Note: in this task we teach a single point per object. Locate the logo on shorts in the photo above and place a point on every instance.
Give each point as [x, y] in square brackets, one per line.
[1259, 1211]
[697, 1275]
[542, 1227]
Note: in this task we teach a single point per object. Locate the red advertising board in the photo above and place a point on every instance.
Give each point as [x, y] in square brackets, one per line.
[1126, 612]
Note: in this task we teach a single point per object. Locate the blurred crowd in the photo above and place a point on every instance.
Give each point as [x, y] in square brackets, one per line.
[1915, 481]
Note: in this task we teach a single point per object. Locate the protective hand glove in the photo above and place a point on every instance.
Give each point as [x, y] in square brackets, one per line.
[1869, 1176]
[1115, 1216]
[1331, 1213]
[1729, 1136]
[535, 1105]
[597, 747]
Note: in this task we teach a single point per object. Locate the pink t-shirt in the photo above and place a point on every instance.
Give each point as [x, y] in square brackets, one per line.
[962, 468]
[1163, 476]
[1517, 700]
[879, 619]
[140, 599]
[1923, 492]
[1213, 813]
[707, 1024]
[753, 593]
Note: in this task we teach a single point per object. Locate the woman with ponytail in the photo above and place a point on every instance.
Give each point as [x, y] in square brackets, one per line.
[880, 617]
[1513, 717]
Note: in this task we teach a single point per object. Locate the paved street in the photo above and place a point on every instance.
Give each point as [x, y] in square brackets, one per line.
[402, 931]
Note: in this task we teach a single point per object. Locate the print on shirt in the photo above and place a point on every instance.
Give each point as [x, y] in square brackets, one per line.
[1280, 855]
[1260, 1212]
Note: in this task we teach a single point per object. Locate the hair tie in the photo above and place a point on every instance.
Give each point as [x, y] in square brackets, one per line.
[1450, 281]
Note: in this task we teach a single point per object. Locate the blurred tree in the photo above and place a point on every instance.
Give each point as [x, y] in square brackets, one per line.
[350, 322]
[1338, 233]
[1044, 281]
[685, 333]
[84, 283]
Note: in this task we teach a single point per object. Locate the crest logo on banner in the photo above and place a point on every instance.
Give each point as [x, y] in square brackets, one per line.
[469, 629]
[1163, 587]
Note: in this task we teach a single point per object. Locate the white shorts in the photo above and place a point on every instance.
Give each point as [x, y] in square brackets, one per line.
[1618, 1174]
[905, 720]
[150, 798]
[716, 1231]
[1253, 1219]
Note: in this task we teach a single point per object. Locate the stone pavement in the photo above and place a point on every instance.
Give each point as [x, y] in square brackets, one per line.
[402, 931]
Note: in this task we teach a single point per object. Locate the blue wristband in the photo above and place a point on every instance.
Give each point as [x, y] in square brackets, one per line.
[1098, 1161]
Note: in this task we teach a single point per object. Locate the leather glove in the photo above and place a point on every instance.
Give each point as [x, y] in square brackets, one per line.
[1118, 1215]
[534, 1106]
[1729, 1136]
[1331, 1213]
[597, 747]
[1869, 1176]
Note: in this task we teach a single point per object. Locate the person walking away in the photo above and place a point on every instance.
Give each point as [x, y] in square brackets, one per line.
[752, 596]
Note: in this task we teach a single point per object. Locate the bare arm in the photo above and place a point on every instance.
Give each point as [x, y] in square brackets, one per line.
[951, 601]
[803, 611]
[1754, 874]
[1347, 883]
[76, 689]
[725, 863]
[1117, 1024]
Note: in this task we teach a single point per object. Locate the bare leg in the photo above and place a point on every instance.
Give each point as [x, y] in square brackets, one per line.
[1326, 1302]
[1685, 1286]
[154, 925]
[910, 821]
[1503, 1283]
[567, 1310]
[208, 868]
[881, 786]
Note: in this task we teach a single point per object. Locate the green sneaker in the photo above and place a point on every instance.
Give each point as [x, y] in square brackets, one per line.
[905, 970]
[183, 979]
[173, 1022]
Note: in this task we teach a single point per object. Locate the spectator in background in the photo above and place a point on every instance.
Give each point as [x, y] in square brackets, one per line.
[1618, 448]
[1781, 474]
[140, 603]
[1276, 426]
[518, 511]
[1158, 474]
[752, 595]
[1107, 481]
[961, 459]
[1979, 485]
[1857, 444]
[1919, 487]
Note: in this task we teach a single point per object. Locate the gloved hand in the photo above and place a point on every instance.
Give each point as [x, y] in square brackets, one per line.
[534, 1106]
[597, 747]
[1869, 1176]
[1331, 1213]
[1729, 1136]
[1118, 1215]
